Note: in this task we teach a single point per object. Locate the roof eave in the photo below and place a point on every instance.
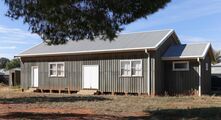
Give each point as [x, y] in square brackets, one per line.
[182, 58]
[85, 52]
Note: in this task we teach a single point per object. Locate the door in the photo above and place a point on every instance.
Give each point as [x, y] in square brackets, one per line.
[35, 76]
[90, 76]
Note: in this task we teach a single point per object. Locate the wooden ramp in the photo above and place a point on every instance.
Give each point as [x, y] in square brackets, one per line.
[87, 92]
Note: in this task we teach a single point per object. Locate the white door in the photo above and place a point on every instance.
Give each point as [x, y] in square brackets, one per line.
[35, 76]
[90, 76]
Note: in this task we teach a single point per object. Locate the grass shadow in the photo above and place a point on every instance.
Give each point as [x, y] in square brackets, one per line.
[40, 116]
[212, 113]
[43, 99]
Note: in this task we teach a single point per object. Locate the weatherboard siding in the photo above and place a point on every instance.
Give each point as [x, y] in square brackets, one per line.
[206, 75]
[157, 69]
[109, 72]
[187, 82]
[181, 82]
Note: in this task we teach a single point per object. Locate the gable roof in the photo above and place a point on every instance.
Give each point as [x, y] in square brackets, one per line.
[187, 51]
[124, 42]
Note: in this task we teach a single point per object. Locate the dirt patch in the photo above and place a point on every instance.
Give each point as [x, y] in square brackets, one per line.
[18, 105]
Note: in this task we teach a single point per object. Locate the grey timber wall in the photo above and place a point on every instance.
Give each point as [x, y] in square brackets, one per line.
[206, 75]
[109, 72]
[181, 82]
[157, 66]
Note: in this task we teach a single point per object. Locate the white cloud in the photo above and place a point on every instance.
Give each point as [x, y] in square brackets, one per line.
[15, 40]
[195, 39]
[7, 47]
[15, 31]
[176, 12]
[9, 55]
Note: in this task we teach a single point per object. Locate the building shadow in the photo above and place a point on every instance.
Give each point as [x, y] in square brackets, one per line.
[41, 116]
[211, 113]
[43, 99]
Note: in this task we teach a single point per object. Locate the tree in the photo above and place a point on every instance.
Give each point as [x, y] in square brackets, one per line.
[57, 21]
[15, 63]
[3, 62]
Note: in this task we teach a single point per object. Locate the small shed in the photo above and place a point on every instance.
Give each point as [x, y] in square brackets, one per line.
[216, 76]
[4, 76]
[15, 77]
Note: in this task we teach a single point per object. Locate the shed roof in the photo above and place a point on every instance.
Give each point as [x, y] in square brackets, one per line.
[4, 72]
[130, 41]
[217, 65]
[216, 69]
[186, 51]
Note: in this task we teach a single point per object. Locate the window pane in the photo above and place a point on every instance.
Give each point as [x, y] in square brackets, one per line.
[136, 68]
[60, 67]
[60, 73]
[52, 72]
[53, 66]
[180, 65]
[125, 68]
[207, 66]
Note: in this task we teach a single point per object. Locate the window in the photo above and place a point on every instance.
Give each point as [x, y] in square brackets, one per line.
[125, 68]
[56, 69]
[131, 68]
[53, 71]
[181, 66]
[207, 66]
[136, 68]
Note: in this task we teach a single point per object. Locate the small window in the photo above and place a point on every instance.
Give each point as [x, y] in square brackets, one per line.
[207, 66]
[136, 68]
[56, 69]
[53, 71]
[125, 68]
[60, 69]
[181, 66]
[131, 68]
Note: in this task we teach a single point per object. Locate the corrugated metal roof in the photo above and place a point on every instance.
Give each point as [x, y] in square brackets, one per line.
[4, 72]
[216, 69]
[217, 65]
[132, 41]
[186, 51]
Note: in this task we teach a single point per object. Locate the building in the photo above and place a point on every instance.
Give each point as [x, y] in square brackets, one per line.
[152, 63]
[216, 76]
[15, 77]
[4, 76]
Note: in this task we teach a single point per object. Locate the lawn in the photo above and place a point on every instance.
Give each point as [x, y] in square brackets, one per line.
[23, 105]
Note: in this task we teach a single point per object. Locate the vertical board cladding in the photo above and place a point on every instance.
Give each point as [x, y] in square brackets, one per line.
[181, 82]
[158, 78]
[206, 74]
[110, 79]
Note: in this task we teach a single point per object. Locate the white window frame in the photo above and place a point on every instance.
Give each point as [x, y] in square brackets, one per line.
[207, 66]
[181, 69]
[56, 69]
[130, 74]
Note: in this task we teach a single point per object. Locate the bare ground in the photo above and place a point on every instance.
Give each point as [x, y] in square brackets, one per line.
[15, 104]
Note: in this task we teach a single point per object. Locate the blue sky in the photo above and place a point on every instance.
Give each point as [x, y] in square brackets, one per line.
[195, 21]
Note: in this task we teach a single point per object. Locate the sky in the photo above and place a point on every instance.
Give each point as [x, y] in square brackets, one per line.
[195, 21]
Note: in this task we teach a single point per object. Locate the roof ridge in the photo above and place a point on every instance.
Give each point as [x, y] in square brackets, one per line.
[145, 31]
